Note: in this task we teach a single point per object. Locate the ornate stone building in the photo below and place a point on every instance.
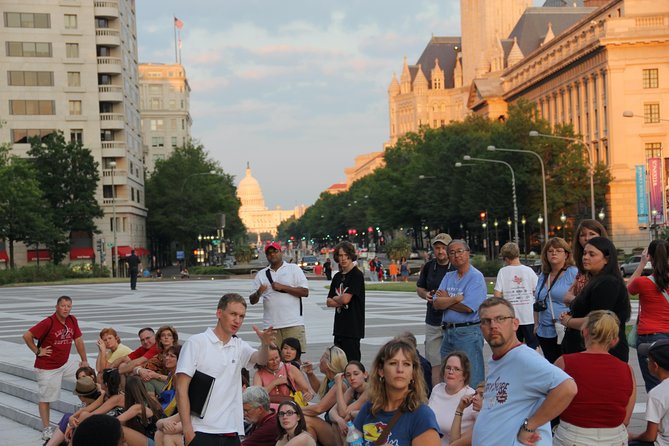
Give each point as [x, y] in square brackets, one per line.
[253, 213]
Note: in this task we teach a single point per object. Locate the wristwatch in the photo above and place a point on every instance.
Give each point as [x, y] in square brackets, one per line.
[525, 426]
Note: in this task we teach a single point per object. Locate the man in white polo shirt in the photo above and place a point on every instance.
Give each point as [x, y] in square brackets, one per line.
[219, 353]
[281, 286]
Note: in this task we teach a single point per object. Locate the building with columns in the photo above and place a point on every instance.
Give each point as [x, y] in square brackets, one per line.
[165, 110]
[253, 212]
[72, 66]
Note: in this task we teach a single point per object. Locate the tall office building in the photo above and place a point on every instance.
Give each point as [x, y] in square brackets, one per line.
[71, 65]
[165, 110]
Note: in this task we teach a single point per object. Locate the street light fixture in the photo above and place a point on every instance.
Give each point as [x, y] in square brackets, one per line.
[630, 114]
[601, 214]
[508, 223]
[513, 187]
[534, 133]
[543, 174]
[524, 221]
[540, 220]
[211, 172]
[563, 219]
[426, 177]
[112, 166]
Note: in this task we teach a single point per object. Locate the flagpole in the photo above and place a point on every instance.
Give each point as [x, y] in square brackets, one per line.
[179, 46]
[174, 24]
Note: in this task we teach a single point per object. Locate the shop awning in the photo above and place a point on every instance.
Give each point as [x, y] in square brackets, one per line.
[81, 253]
[123, 251]
[141, 252]
[44, 255]
[4, 258]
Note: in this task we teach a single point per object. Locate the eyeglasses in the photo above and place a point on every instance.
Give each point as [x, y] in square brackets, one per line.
[556, 251]
[498, 320]
[288, 413]
[457, 253]
[448, 369]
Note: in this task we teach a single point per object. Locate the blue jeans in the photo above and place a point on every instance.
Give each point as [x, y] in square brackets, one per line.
[648, 379]
[469, 340]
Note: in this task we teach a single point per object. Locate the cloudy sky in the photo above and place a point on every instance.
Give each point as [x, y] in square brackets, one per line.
[296, 88]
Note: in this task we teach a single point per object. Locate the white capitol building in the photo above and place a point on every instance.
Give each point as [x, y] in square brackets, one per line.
[253, 212]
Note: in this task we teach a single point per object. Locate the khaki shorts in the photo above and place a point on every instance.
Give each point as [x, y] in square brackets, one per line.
[49, 382]
[296, 332]
[433, 338]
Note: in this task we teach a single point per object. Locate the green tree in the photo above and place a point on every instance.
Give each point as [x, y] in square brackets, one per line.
[68, 176]
[186, 194]
[24, 213]
[398, 247]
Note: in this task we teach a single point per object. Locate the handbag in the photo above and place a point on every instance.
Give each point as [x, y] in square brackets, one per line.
[632, 336]
[295, 395]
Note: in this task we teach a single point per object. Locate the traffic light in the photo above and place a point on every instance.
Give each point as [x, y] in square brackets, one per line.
[483, 215]
[98, 244]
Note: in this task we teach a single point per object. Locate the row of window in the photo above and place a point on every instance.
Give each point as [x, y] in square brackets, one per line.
[159, 141]
[39, 49]
[21, 136]
[37, 20]
[40, 78]
[40, 107]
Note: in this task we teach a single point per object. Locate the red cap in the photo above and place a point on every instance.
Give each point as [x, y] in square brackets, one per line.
[274, 245]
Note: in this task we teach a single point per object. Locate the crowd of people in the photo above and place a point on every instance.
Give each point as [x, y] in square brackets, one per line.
[558, 372]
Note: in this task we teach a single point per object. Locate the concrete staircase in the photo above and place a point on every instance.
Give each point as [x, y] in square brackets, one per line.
[18, 389]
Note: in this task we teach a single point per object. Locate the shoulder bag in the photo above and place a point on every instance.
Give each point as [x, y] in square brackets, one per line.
[383, 438]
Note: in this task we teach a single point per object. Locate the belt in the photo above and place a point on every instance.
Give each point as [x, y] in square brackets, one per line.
[447, 325]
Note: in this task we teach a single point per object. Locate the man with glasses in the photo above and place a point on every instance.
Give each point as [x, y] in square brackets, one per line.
[141, 355]
[431, 275]
[517, 283]
[523, 391]
[282, 286]
[459, 295]
[264, 430]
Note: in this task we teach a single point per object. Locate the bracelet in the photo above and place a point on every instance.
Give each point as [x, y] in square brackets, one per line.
[136, 370]
[458, 413]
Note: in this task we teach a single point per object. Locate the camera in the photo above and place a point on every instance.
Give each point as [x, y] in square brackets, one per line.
[540, 306]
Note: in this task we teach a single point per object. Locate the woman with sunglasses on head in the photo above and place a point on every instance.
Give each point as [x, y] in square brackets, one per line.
[605, 290]
[597, 415]
[653, 291]
[586, 230]
[397, 412]
[292, 426]
[557, 276]
[446, 396]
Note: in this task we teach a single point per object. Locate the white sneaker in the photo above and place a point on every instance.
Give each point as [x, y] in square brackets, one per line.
[47, 432]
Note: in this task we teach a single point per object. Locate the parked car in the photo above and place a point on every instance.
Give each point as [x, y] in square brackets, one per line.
[630, 265]
[308, 262]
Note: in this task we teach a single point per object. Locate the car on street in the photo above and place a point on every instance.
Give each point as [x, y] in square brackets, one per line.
[308, 262]
[630, 265]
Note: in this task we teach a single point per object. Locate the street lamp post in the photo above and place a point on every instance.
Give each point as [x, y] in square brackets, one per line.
[112, 166]
[508, 223]
[540, 220]
[485, 235]
[523, 221]
[563, 219]
[513, 187]
[496, 246]
[653, 213]
[543, 174]
[211, 172]
[534, 133]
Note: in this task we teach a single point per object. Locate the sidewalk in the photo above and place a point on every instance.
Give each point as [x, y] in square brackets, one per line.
[15, 434]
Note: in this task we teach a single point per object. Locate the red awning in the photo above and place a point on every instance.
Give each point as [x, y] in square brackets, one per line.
[81, 253]
[4, 258]
[142, 252]
[44, 255]
[123, 251]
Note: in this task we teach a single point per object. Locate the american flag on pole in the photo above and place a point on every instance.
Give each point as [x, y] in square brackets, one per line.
[178, 23]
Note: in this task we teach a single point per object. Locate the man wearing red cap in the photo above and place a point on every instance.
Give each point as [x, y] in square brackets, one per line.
[281, 286]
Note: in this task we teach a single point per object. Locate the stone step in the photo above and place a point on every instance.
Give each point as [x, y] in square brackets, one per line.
[26, 389]
[24, 412]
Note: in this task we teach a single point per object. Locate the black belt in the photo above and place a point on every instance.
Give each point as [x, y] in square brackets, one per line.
[447, 325]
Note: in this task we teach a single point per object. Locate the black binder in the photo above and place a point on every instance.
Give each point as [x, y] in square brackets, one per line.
[199, 392]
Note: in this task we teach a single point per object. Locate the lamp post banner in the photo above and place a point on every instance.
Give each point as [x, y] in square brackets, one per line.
[655, 188]
[641, 196]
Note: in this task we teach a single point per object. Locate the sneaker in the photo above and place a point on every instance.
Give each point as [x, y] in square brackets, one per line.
[47, 432]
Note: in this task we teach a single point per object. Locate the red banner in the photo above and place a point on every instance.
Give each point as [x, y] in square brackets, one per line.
[655, 191]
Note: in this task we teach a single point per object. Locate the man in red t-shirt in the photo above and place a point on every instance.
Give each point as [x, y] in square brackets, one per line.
[147, 350]
[54, 336]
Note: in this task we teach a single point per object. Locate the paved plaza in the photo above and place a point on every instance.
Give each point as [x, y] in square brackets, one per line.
[190, 306]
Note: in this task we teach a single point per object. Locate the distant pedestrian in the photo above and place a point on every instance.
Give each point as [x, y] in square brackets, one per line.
[404, 269]
[281, 286]
[54, 336]
[380, 271]
[347, 296]
[393, 270]
[517, 283]
[133, 267]
[327, 268]
[373, 276]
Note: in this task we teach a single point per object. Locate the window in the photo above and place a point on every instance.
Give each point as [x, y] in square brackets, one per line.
[71, 50]
[157, 141]
[157, 124]
[70, 21]
[101, 22]
[107, 135]
[155, 89]
[653, 150]
[27, 20]
[650, 78]
[28, 49]
[32, 107]
[106, 107]
[21, 136]
[173, 104]
[174, 141]
[77, 135]
[30, 78]
[651, 113]
[73, 79]
[74, 107]
[155, 104]
[104, 79]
